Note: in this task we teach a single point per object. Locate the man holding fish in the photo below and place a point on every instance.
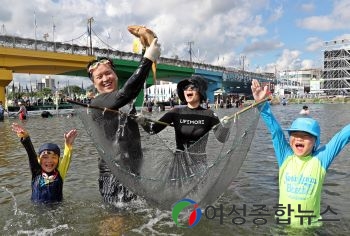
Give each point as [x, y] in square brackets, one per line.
[120, 127]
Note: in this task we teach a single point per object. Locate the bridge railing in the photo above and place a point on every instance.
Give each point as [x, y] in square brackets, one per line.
[43, 45]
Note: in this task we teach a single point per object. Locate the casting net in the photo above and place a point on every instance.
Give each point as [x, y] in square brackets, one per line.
[163, 175]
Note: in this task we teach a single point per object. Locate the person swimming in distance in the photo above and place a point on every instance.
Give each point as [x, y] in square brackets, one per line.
[305, 110]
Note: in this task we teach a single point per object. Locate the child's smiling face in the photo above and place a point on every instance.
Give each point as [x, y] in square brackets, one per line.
[48, 161]
[302, 143]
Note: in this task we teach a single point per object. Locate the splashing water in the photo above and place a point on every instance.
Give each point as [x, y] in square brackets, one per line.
[15, 209]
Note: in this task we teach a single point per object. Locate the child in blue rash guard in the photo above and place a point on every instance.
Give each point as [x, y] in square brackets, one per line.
[302, 163]
[48, 170]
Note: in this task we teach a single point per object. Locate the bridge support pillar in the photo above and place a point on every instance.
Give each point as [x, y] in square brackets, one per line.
[211, 89]
[5, 79]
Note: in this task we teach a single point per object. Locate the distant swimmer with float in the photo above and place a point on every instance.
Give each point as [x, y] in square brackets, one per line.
[46, 114]
[284, 101]
[305, 111]
[22, 111]
[2, 111]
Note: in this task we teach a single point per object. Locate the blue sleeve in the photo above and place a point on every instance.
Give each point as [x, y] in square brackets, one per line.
[279, 141]
[327, 153]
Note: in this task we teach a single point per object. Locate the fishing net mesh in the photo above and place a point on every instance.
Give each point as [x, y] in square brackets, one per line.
[163, 175]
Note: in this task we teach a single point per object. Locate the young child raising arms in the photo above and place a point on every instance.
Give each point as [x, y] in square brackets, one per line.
[302, 162]
[48, 169]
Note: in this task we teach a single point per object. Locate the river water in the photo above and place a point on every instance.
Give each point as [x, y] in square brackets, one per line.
[83, 213]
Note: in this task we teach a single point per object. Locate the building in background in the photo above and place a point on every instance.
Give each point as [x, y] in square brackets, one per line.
[298, 82]
[40, 86]
[336, 67]
[49, 82]
[161, 92]
[332, 79]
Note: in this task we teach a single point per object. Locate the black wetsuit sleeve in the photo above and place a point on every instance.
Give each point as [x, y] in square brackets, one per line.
[109, 121]
[130, 90]
[155, 128]
[33, 161]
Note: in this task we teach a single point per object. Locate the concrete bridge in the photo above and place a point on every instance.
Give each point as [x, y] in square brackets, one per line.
[23, 55]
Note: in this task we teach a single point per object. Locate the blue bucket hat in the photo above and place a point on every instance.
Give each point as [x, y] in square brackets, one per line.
[50, 147]
[307, 125]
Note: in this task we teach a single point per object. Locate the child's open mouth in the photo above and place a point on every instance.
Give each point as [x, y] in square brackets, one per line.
[299, 146]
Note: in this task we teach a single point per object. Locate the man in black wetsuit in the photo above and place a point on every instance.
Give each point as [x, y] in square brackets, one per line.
[119, 127]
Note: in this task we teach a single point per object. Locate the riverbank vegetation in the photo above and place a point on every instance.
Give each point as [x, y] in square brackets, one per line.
[327, 100]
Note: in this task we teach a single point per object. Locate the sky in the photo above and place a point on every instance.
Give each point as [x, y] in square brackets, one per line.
[257, 35]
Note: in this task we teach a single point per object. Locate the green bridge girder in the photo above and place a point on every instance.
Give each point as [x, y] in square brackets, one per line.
[125, 68]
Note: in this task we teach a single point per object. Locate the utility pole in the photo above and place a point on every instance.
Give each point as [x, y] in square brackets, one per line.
[190, 50]
[108, 38]
[53, 35]
[275, 72]
[3, 29]
[90, 20]
[243, 58]
[45, 36]
[35, 26]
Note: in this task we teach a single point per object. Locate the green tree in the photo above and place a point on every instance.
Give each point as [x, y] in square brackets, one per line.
[73, 89]
[44, 93]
